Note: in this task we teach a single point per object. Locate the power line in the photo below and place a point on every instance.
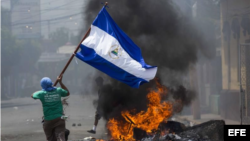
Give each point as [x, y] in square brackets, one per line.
[54, 19]
[48, 2]
[75, 22]
[44, 12]
[47, 16]
[76, 7]
[70, 8]
[52, 9]
[42, 27]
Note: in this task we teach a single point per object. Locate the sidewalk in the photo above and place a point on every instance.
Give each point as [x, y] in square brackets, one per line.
[205, 118]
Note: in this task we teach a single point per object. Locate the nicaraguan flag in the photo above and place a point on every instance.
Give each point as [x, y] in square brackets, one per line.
[110, 50]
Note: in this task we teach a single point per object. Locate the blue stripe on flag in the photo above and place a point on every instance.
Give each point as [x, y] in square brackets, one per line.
[107, 24]
[89, 56]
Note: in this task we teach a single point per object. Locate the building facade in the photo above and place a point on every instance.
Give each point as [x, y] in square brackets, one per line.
[235, 24]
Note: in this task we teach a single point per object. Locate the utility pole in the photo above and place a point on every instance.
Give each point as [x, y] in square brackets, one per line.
[193, 72]
[194, 85]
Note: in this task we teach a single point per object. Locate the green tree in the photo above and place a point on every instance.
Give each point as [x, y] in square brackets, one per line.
[16, 52]
[30, 51]
[60, 36]
[75, 39]
[9, 52]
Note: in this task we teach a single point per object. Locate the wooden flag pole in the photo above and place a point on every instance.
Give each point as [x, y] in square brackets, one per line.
[72, 56]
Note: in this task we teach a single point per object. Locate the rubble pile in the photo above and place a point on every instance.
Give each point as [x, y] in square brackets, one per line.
[172, 127]
[209, 131]
[214, 130]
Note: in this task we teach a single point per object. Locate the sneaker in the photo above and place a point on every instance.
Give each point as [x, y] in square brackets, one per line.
[91, 131]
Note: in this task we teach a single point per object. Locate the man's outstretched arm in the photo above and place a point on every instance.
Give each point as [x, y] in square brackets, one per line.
[32, 95]
[63, 86]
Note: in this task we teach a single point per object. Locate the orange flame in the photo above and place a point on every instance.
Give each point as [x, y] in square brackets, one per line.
[148, 121]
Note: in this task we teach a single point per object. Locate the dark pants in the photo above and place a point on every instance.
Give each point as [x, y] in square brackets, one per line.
[98, 116]
[54, 129]
[67, 132]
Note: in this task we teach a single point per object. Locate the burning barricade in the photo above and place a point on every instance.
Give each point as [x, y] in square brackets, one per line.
[175, 131]
[146, 120]
[153, 124]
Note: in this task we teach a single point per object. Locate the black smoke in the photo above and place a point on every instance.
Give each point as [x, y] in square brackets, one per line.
[115, 99]
[167, 38]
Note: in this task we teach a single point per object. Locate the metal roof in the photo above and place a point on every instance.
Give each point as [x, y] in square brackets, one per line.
[66, 49]
[52, 57]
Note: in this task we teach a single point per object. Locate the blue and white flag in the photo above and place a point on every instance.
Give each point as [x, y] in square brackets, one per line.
[110, 50]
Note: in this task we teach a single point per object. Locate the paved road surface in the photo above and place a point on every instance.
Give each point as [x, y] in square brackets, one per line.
[21, 119]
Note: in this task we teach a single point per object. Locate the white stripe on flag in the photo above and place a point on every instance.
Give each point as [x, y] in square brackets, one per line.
[103, 43]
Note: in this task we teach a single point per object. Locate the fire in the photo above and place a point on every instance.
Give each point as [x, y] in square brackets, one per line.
[148, 121]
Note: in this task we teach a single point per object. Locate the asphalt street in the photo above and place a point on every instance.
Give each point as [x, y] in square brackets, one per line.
[21, 119]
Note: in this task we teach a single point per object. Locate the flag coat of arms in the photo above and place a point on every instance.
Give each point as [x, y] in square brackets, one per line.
[110, 50]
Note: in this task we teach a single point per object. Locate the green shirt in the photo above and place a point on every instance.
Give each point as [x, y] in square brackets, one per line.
[52, 104]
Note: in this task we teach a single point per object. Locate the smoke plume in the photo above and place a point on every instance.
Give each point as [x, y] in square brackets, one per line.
[167, 38]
